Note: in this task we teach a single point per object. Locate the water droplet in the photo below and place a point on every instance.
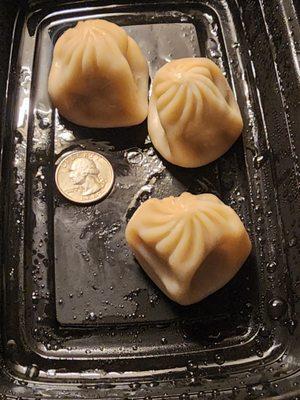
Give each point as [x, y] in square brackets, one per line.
[184, 396]
[291, 325]
[151, 152]
[32, 372]
[184, 18]
[191, 367]
[292, 242]
[135, 385]
[277, 308]
[43, 117]
[271, 267]
[134, 157]
[11, 345]
[259, 352]
[258, 161]
[216, 54]
[164, 340]
[92, 316]
[35, 296]
[235, 45]
[219, 359]
[153, 384]
[51, 372]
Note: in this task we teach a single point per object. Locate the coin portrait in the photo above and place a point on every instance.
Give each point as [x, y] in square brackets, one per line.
[84, 176]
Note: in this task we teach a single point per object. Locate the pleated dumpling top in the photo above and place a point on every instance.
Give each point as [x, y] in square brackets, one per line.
[190, 245]
[99, 76]
[193, 115]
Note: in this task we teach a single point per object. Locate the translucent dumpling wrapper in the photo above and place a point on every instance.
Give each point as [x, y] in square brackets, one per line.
[193, 116]
[99, 76]
[190, 245]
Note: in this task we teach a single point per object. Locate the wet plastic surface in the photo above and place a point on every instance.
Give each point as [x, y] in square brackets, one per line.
[108, 285]
[86, 316]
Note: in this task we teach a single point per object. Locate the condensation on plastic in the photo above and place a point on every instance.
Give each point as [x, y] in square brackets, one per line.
[86, 316]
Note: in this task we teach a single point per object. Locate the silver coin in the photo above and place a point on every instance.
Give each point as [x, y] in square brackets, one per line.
[84, 176]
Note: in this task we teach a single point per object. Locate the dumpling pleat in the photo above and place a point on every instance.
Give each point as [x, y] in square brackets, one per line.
[166, 97]
[167, 245]
[169, 113]
[215, 214]
[89, 55]
[180, 253]
[156, 233]
[206, 222]
[196, 244]
[188, 109]
[197, 97]
[208, 82]
[162, 87]
[70, 51]
[157, 218]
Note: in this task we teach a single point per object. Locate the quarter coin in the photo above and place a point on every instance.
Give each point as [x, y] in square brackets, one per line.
[84, 176]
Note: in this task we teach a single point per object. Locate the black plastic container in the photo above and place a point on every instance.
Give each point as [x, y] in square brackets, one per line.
[79, 317]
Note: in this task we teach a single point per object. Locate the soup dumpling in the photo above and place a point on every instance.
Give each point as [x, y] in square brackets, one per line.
[99, 76]
[193, 115]
[190, 245]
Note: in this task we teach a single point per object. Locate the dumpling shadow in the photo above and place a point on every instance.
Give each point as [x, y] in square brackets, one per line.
[227, 300]
[207, 178]
[119, 138]
[203, 179]
[226, 313]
